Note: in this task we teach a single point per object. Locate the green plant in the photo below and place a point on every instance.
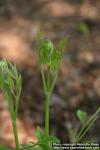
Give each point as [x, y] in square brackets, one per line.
[2, 147]
[83, 28]
[10, 83]
[50, 59]
[86, 122]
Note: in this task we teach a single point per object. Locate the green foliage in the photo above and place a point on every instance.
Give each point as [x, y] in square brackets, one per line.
[10, 83]
[55, 60]
[45, 142]
[87, 122]
[83, 28]
[40, 135]
[29, 146]
[82, 116]
[48, 54]
[2, 147]
[46, 49]
[63, 42]
[50, 58]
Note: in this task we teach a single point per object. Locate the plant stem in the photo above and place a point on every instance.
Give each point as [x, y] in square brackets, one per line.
[47, 114]
[48, 78]
[15, 134]
[85, 131]
[48, 95]
[13, 118]
[43, 78]
[54, 81]
[87, 125]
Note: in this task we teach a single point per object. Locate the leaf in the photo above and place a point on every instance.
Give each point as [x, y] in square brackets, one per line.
[45, 146]
[83, 28]
[45, 50]
[56, 59]
[82, 116]
[2, 147]
[53, 139]
[42, 52]
[10, 83]
[13, 71]
[40, 135]
[63, 42]
[18, 84]
[1, 82]
[27, 147]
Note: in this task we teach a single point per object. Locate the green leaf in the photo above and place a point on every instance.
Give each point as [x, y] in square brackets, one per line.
[53, 139]
[18, 84]
[1, 82]
[82, 116]
[2, 147]
[83, 28]
[40, 135]
[27, 147]
[10, 83]
[56, 59]
[45, 50]
[45, 146]
[8, 79]
[63, 42]
[13, 71]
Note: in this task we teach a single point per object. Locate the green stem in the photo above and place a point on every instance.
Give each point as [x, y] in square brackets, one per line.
[53, 84]
[48, 94]
[47, 114]
[43, 78]
[16, 108]
[13, 118]
[87, 125]
[85, 131]
[15, 134]
[48, 78]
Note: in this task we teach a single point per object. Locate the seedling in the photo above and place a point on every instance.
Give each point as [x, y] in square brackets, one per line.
[10, 83]
[50, 59]
[86, 121]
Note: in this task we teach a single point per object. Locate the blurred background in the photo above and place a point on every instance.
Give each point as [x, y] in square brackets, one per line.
[78, 86]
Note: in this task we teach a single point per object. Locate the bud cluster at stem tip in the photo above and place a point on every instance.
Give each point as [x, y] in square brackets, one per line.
[50, 55]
